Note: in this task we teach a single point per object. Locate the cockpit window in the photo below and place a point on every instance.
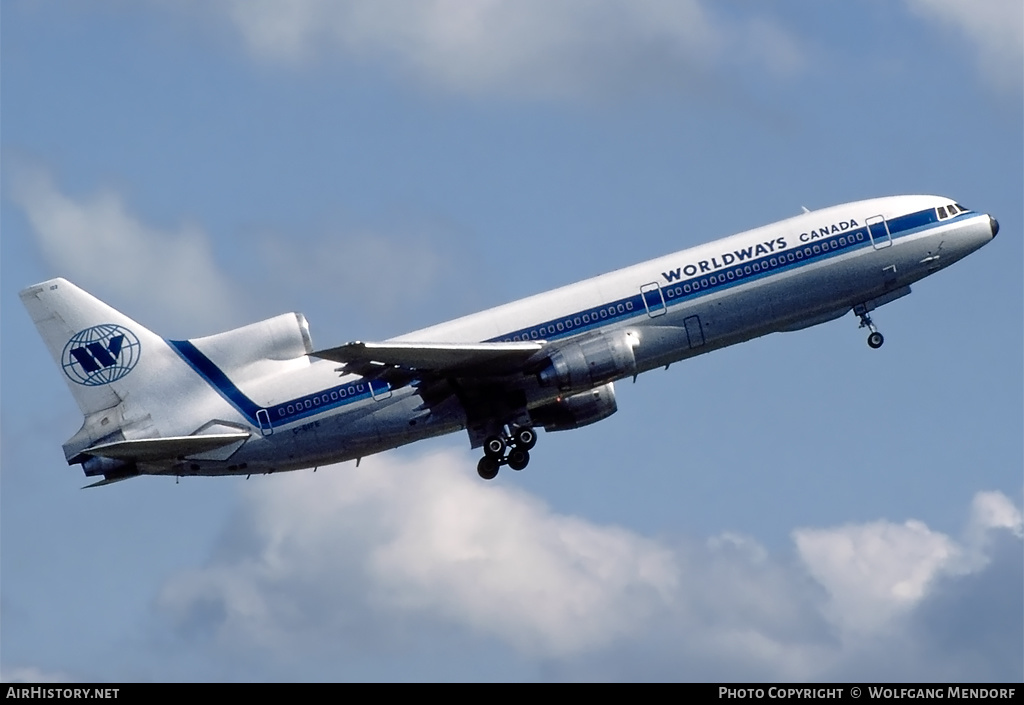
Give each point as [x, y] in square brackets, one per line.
[949, 210]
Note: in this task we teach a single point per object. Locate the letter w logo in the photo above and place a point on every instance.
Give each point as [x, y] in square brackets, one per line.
[94, 355]
[672, 275]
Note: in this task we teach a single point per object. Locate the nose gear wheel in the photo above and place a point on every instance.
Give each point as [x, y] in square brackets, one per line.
[875, 339]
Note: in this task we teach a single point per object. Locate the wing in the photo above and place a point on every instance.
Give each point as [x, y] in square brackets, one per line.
[482, 376]
[418, 360]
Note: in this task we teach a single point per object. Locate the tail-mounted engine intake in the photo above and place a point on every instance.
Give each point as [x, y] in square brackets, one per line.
[567, 413]
[591, 361]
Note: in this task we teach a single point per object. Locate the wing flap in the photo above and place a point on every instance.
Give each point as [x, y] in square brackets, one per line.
[460, 359]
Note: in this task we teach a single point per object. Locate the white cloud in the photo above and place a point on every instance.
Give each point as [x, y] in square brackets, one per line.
[411, 551]
[170, 281]
[990, 513]
[559, 48]
[519, 47]
[427, 538]
[33, 674]
[501, 562]
[994, 27]
[994, 510]
[873, 571]
[101, 246]
[879, 571]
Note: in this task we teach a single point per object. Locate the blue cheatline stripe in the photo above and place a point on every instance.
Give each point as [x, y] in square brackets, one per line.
[216, 378]
[578, 322]
[722, 279]
[300, 408]
[285, 412]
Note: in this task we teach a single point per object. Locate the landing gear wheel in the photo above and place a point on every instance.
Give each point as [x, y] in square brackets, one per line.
[487, 468]
[875, 338]
[526, 438]
[518, 459]
[494, 447]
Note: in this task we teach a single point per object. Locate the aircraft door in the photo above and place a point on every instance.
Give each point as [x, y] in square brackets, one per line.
[694, 331]
[654, 300]
[379, 390]
[263, 417]
[878, 231]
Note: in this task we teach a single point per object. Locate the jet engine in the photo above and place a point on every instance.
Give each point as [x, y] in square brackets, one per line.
[585, 363]
[567, 413]
[257, 350]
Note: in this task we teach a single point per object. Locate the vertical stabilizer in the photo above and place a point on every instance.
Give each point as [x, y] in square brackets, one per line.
[105, 356]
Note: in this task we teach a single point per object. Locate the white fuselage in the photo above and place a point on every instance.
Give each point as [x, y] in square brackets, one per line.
[785, 276]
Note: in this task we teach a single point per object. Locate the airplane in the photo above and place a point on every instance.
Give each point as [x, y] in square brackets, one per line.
[263, 399]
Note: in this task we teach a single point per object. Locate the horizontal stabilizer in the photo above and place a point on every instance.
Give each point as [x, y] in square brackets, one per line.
[111, 479]
[463, 359]
[148, 450]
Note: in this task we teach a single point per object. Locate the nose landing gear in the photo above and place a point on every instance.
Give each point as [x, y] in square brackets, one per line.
[519, 442]
[875, 339]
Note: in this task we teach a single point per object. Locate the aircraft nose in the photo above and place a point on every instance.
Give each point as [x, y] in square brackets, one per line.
[994, 224]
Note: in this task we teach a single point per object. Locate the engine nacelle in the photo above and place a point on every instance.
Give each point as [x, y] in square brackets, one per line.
[577, 410]
[284, 337]
[96, 465]
[591, 361]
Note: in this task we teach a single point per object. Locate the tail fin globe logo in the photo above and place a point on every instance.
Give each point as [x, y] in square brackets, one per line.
[100, 355]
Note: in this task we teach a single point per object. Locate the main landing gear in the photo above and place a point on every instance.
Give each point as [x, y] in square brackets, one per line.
[518, 446]
[875, 339]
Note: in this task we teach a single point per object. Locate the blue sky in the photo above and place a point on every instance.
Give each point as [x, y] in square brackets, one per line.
[799, 507]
